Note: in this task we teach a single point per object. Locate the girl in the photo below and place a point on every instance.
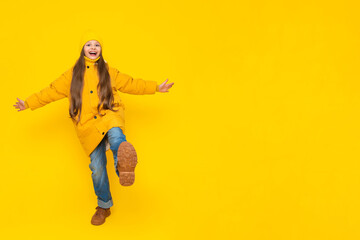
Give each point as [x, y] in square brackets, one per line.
[97, 112]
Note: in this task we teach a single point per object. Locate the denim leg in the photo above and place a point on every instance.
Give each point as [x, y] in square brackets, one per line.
[99, 176]
[115, 138]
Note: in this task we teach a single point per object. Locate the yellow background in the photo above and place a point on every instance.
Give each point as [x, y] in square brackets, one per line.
[257, 139]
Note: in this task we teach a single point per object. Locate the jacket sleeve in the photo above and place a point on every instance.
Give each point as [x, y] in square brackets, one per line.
[58, 89]
[126, 84]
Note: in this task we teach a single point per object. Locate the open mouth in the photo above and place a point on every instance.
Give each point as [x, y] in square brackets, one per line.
[93, 53]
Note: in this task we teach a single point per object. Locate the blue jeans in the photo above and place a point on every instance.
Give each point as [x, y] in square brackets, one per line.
[98, 159]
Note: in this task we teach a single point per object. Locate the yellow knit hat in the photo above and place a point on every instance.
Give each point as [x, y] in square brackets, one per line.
[88, 35]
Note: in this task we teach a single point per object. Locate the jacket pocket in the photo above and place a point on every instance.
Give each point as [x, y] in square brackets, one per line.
[100, 126]
[117, 101]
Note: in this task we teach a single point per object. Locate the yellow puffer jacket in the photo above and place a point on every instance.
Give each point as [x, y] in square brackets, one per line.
[92, 127]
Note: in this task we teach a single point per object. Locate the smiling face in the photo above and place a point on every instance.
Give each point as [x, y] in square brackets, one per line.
[92, 49]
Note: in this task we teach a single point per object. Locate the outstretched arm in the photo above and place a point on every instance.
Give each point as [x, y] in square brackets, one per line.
[126, 84]
[58, 89]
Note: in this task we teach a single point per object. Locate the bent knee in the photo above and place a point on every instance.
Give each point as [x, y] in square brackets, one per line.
[114, 146]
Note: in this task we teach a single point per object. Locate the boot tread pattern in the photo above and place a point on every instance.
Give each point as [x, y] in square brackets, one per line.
[127, 160]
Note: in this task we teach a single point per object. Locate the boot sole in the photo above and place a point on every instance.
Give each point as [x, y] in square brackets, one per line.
[127, 160]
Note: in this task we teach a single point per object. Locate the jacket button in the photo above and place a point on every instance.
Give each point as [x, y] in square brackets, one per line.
[87, 66]
[103, 133]
[91, 91]
[95, 117]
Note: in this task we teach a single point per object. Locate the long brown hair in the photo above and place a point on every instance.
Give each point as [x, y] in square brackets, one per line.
[106, 97]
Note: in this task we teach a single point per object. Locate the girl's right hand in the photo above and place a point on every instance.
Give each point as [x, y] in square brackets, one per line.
[20, 105]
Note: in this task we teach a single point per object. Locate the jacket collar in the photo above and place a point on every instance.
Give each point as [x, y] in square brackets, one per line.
[89, 61]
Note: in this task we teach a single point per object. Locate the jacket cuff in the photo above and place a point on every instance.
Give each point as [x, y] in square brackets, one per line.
[157, 87]
[150, 87]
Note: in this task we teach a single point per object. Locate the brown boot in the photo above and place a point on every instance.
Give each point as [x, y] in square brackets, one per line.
[127, 160]
[99, 217]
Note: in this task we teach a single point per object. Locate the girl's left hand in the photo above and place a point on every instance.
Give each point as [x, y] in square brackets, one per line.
[164, 87]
